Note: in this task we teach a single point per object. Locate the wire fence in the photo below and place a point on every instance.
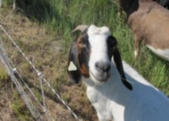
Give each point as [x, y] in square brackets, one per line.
[13, 71]
[35, 113]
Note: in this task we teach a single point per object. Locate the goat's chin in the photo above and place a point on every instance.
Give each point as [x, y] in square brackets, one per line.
[97, 80]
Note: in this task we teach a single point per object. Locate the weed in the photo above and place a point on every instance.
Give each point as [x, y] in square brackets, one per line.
[3, 74]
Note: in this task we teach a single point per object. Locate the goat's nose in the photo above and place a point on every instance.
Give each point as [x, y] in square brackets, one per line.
[102, 66]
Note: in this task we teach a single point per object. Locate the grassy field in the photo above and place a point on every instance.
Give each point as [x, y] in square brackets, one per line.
[42, 29]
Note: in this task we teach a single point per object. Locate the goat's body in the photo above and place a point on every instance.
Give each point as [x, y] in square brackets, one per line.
[114, 102]
[161, 53]
[150, 23]
[130, 6]
[101, 69]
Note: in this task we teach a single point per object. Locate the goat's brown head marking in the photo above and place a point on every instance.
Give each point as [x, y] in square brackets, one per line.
[78, 57]
[90, 56]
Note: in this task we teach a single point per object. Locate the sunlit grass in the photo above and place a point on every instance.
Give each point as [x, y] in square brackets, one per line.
[60, 17]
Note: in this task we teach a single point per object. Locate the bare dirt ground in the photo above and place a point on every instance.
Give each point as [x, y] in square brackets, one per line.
[46, 51]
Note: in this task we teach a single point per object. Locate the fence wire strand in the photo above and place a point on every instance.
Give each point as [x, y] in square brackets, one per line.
[40, 76]
[35, 113]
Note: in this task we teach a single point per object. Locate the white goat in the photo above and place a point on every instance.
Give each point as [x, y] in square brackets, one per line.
[114, 98]
[150, 24]
[14, 4]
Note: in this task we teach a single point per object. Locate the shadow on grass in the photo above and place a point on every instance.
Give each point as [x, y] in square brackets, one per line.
[40, 10]
[54, 98]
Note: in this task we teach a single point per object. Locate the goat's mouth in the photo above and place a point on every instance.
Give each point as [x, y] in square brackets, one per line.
[101, 77]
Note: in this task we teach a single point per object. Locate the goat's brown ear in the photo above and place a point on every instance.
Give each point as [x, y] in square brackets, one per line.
[119, 65]
[73, 66]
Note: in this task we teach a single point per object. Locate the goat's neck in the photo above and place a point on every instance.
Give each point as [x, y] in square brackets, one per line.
[108, 95]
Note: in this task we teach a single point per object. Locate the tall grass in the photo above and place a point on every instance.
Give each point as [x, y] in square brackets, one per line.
[61, 16]
[3, 74]
[66, 14]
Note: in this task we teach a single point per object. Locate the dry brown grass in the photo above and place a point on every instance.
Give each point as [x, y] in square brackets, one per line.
[47, 52]
[5, 98]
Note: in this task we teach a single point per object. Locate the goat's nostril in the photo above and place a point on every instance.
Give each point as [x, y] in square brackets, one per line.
[107, 68]
[98, 66]
[103, 67]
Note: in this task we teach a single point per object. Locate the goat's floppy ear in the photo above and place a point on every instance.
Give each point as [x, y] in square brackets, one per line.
[73, 66]
[118, 62]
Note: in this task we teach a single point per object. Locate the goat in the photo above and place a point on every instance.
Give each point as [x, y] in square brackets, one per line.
[14, 4]
[117, 94]
[129, 6]
[149, 23]
[164, 3]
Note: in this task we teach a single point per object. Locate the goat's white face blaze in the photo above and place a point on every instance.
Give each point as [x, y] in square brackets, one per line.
[90, 56]
[99, 60]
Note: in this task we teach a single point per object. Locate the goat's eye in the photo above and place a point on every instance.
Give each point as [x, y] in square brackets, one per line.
[85, 40]
[111, 41]
[80, 42]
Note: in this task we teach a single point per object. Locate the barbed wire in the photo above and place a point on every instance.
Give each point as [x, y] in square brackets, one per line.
[40, 75]
[35, 113]
[15, 70]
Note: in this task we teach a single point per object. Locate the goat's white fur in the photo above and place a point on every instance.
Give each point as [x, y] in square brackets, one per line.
[97, 34]
[161, 53]
[112, 100]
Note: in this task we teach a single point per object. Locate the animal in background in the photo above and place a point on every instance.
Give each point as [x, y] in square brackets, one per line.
[129, 6]
[150, 24]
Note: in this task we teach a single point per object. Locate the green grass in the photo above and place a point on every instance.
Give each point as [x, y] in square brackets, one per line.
[60, 17]
[21, 111]
[64, 15]
[3, 74]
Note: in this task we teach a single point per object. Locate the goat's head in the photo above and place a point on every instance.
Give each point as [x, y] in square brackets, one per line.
[91, 53]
